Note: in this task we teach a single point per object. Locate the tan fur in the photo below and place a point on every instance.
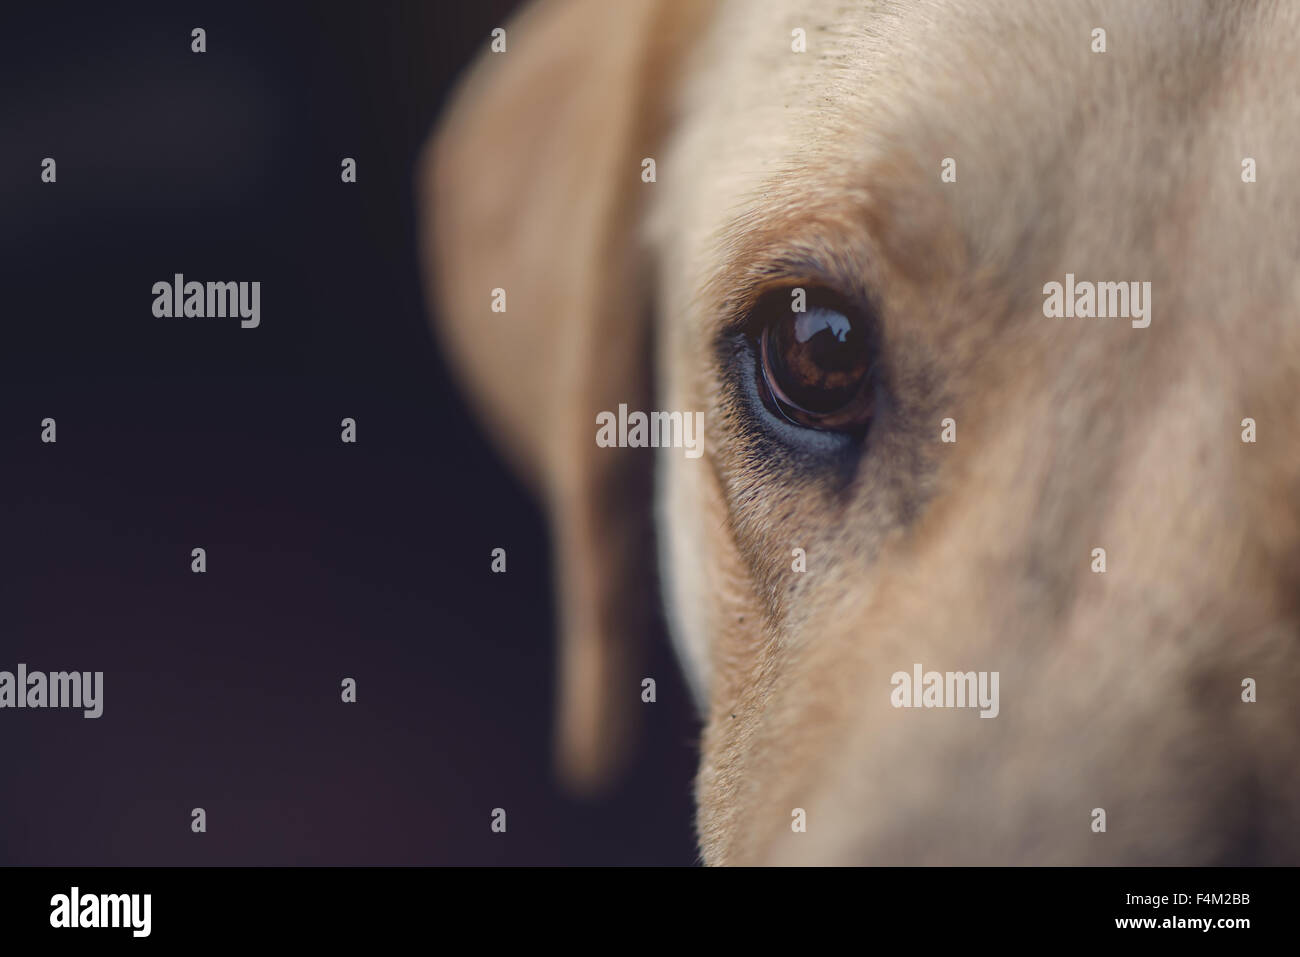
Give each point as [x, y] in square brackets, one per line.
[1119, 691]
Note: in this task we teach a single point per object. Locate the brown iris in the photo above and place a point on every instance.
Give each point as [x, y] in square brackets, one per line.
[817, 368]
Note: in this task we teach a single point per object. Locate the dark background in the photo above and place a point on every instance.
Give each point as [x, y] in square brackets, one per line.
[325, 560]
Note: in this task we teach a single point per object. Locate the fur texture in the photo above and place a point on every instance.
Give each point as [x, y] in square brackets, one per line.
[1119, 690]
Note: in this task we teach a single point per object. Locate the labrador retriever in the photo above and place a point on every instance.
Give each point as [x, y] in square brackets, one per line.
[992, 312]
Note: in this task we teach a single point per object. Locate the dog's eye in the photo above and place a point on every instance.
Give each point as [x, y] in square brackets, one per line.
[817, 368]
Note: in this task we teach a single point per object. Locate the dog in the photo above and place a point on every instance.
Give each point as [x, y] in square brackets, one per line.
[837, 230]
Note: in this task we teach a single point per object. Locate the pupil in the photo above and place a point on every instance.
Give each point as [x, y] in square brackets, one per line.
[820, 359]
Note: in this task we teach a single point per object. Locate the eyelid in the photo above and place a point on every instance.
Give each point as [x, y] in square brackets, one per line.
[828, 259]
[738, 312]
[775, 300]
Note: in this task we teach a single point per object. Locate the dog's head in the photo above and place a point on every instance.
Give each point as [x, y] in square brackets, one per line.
[843, 254]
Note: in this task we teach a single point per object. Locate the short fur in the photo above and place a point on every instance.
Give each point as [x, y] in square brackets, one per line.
[1119, 691]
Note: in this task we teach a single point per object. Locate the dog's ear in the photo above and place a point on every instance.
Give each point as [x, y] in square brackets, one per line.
[531, 194]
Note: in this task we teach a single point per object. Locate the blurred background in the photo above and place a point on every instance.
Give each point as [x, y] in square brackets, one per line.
[325, 560]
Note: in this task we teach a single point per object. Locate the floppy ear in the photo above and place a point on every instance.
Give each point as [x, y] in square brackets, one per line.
[531, 193]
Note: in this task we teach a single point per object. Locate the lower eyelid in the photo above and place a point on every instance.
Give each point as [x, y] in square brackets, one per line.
[745, 378]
